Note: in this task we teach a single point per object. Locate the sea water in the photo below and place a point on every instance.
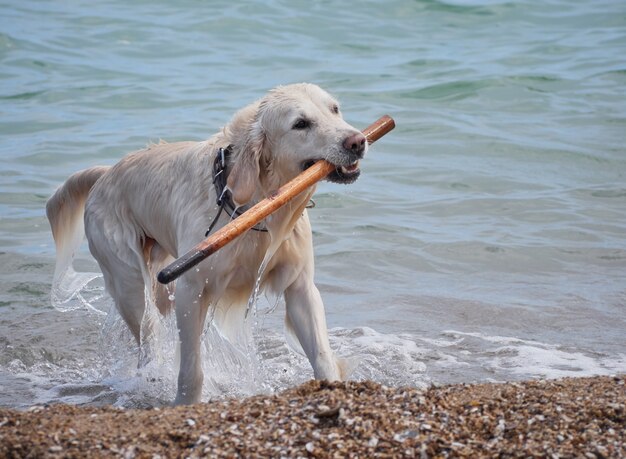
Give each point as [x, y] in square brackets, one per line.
[484, 241]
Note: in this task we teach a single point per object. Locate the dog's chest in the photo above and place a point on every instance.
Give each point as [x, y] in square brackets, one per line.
[247, 269]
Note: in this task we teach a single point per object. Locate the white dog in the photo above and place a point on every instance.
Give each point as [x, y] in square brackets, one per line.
[157, 203]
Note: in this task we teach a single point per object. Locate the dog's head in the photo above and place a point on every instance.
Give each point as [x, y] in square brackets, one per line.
[288, 130]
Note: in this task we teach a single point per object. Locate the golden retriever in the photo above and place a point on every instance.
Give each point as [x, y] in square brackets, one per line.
[157, 203]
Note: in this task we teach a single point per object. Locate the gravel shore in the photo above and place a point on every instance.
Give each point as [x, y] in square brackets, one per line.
[577, 417]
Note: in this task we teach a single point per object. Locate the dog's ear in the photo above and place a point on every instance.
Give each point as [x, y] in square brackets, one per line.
[248, 142]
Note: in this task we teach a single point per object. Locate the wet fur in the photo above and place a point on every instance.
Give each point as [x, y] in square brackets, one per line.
[155, 204]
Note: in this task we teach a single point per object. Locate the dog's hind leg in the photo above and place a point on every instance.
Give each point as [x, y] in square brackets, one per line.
[156, 258]
[127, 289]
[124, 273]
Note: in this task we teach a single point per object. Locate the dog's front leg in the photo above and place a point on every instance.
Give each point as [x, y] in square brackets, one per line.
[190, 315]
[307, 319]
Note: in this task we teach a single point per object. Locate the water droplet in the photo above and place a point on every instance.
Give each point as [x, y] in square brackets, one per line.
[171, 297]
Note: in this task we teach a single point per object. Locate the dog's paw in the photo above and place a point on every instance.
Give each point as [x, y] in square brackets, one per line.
[347, 366]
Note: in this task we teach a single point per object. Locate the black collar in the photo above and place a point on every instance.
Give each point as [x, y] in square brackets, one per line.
[223, 194]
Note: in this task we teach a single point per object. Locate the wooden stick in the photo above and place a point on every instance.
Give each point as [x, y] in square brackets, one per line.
[263, 208]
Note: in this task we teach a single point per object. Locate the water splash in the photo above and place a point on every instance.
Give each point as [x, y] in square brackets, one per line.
[384, 358]
[259, 360]
[254, 296]
[67, 286]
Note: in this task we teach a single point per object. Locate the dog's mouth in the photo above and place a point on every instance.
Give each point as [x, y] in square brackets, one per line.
[342, 174]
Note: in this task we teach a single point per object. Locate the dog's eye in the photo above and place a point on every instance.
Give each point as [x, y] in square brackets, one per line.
[301, 124]
[335, 109]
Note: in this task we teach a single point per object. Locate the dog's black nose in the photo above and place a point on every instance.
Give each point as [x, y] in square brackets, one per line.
[355, 144]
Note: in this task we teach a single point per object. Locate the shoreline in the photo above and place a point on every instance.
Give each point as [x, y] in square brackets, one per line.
[551, 418]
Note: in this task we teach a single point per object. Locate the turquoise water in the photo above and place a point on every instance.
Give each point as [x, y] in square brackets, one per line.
[485, 240]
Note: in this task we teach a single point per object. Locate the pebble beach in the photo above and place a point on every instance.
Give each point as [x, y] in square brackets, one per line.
[573, 417]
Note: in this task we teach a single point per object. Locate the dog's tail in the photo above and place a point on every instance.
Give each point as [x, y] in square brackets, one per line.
[65, 211]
